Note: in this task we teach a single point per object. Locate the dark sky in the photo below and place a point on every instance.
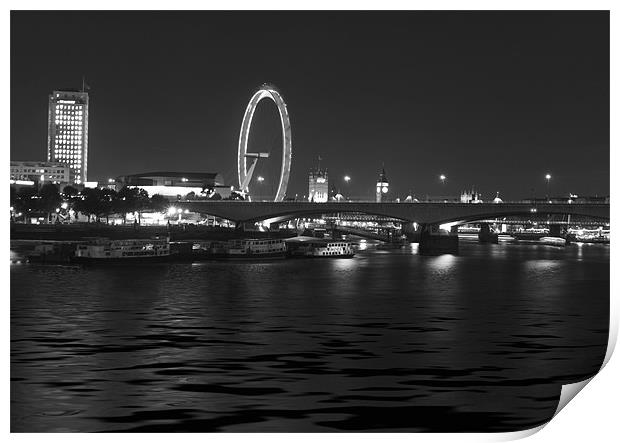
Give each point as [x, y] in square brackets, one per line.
[492, 100]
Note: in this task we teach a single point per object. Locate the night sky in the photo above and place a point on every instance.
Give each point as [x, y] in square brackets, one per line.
[492, 100]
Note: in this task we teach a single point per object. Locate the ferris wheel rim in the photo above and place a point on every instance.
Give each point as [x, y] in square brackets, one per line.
[266, 92]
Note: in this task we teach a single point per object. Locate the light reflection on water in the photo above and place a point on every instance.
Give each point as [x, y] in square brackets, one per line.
[388, 340]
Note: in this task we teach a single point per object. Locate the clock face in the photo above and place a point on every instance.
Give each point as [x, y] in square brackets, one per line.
[378, 188]
[385, 189]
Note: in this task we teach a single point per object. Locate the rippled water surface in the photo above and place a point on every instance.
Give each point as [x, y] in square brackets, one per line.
[386, 341]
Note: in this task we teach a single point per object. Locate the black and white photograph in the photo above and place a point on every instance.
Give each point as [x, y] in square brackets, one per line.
[306, 221]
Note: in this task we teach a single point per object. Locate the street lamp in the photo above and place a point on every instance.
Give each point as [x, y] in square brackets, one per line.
[260, 179]
[347, 179]
[443, 179]
[548, 177]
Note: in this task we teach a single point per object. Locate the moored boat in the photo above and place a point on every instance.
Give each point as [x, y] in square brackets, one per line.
[530, 234]
[553, 241]
[52, 253]
[106, 251]
[316, 247]
[241, 249]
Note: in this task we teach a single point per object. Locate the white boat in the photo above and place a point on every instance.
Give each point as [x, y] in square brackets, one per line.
[553, 241]
[106, 251]
[316, 247]
[248, 248]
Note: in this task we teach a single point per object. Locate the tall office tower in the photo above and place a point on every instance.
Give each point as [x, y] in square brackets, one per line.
[318, 187]
[383, 187]
[67, 131]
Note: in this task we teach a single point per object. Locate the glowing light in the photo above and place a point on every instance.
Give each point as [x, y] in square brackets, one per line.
[548, 177]
[384, 189]
[180, 211]
[347, 178]
[260, 179]
[172, 210]
[447, 226]
[64, 205]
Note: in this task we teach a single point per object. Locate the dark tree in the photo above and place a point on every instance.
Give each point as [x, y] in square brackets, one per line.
[27, 199]
[132, 200]
[107, 203]
[89, 202]
[125, 202]
[14, 202]
[49, 199]
[142, 202]
[158, 203]
[68, 192]
[13, 196]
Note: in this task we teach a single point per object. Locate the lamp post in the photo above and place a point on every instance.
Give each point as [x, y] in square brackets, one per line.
[548, 177]
[347, 179]
[260, 179]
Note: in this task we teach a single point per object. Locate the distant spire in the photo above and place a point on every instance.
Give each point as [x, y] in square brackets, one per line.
[383, 176]
[85, 86]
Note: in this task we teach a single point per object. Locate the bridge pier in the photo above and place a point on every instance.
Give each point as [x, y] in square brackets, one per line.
[409, 231]
[555, 230]
[435, 242]
[486, 235]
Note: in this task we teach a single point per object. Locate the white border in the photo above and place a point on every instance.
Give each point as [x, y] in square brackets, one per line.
[591, 417]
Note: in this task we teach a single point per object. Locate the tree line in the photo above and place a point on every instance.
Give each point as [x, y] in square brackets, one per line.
[94, 203]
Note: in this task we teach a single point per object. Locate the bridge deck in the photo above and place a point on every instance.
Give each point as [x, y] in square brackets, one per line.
[244, 211]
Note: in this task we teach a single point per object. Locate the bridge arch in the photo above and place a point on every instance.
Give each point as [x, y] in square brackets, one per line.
[513, 212]
[270, 92]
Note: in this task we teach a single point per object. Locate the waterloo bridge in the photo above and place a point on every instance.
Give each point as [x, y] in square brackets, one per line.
[428, 216]
[421, 213]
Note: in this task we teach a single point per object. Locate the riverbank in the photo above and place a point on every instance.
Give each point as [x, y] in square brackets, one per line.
[81, 231]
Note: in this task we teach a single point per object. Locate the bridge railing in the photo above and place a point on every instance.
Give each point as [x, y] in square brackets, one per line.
[344, 202]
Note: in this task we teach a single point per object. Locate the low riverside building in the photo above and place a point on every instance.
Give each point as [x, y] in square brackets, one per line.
[30, 173]
[177, 185]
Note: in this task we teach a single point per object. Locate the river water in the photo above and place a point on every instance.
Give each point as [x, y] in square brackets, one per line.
[386, 341]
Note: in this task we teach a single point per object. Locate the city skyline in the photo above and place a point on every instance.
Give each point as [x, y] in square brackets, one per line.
[496, 109]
